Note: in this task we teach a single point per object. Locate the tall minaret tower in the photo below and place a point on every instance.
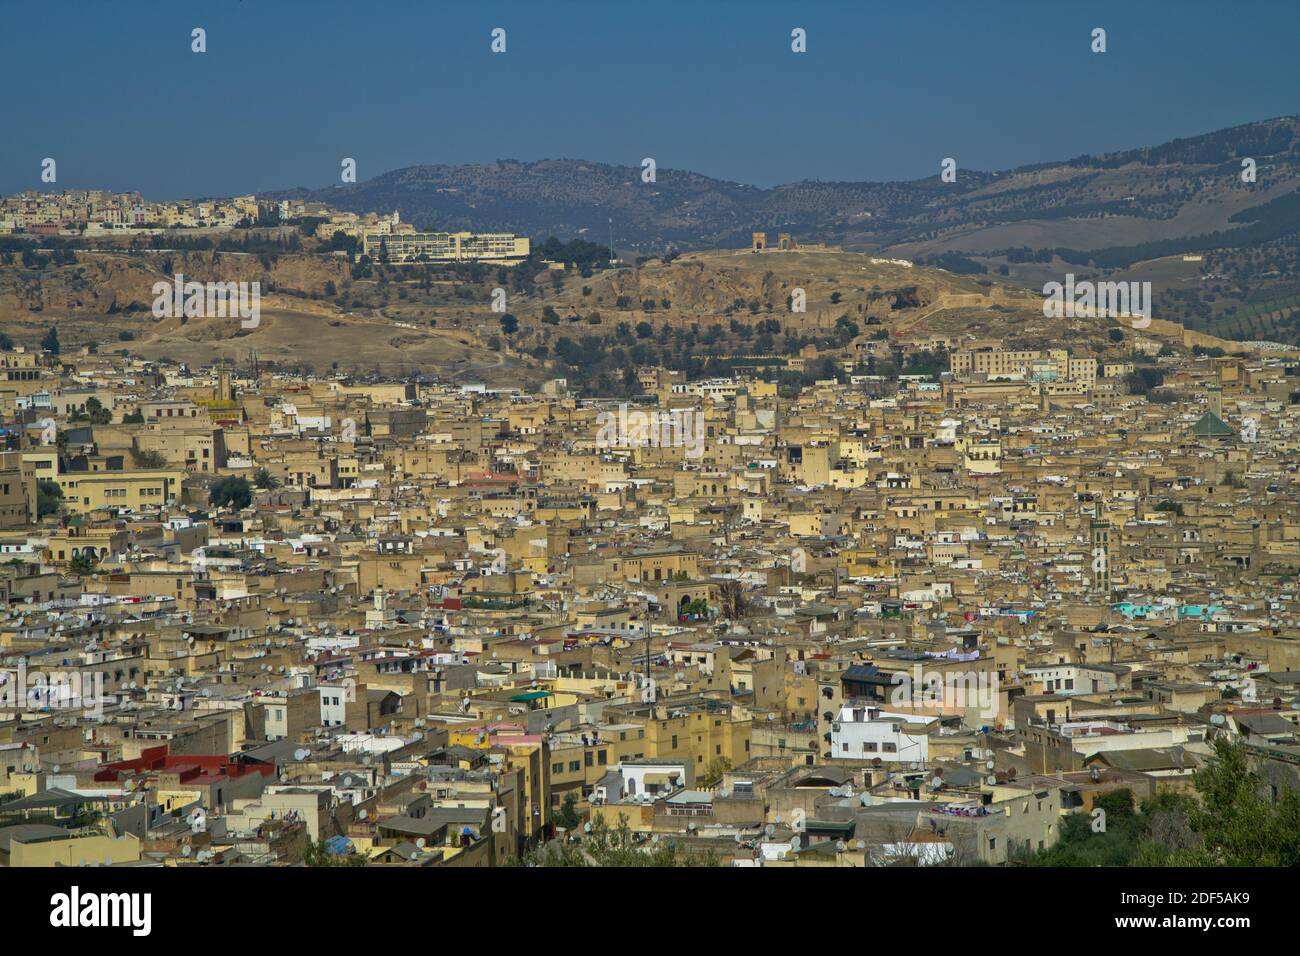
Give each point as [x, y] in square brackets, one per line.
[1100, 580]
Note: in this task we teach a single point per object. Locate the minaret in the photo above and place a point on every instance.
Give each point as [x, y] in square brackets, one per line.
[1216, 400]
[381, 615]
[1100, 551]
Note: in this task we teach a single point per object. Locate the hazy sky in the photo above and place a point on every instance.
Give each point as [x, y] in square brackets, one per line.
[286, 89]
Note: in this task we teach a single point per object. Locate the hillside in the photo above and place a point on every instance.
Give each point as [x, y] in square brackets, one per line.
[105, 299]
[1093, 215]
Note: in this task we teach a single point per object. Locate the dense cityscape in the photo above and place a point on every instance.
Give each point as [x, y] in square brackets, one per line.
[696, 439]
[261, 616]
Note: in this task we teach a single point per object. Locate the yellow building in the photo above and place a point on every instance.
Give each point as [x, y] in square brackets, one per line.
[90, 491]
[16, 497]
[702, 734]
[39, 851]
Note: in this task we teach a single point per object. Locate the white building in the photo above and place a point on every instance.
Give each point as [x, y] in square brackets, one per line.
[863, 732]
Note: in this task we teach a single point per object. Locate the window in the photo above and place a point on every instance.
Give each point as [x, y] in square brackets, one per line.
[674, 741]
[601, 757]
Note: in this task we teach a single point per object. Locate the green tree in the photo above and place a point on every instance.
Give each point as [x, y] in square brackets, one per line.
[265, 480]
[232, 492]
[1144, 379]
[148, 458]
[49, 497]
[567, 816]
[1241, 820]
[315, 855]
[712, 775]
[1234, 818]
[51, 341]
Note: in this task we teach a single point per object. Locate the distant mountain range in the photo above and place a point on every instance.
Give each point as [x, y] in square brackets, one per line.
[1109, 212]
[1154, 191]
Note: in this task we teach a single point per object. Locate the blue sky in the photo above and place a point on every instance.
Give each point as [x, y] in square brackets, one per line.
[885, 91]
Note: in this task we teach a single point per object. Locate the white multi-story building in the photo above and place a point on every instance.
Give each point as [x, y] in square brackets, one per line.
[503, 248]
[864, 732]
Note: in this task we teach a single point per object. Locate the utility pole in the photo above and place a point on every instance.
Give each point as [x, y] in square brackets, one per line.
[645, 628]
